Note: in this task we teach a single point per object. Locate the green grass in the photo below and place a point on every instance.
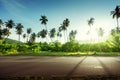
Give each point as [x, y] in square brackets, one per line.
[47, 53]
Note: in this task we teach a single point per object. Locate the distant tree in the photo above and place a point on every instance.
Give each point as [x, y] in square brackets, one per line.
[33, 38]
[52, 33]
[72, 35]
[116, 14]
[1, 23]
[44, 21]
[24, 36]
[10, 24]
[100, 32]
[29, 31]
[43, 33]
[19, 30]
[5, 32]
[91, 21]
[64, 26]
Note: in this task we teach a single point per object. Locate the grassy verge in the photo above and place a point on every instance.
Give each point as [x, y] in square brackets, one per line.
[47, 53]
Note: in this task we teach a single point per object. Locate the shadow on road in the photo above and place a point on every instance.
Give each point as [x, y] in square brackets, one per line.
[77, 65]
[104, 67]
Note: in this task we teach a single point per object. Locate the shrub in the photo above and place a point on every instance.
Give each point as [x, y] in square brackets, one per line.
[71, 46]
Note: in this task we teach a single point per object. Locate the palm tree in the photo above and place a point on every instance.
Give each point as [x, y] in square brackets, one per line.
[33, 37]
[52, 33]
[116, 14]
[72, 35]
[44, 21]
[24, 36]
[19, 30]
[100, 32]
[91, 21]
[10, 24]
[43, 33]
[29, 30]
[64, 26]
[5, 32]
[1, 23]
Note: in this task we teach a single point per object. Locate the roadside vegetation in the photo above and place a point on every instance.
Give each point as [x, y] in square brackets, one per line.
[55, 48]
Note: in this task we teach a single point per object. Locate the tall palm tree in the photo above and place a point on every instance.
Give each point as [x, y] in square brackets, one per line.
[1, 23]
[24, 36]
[19, 30]
[116, 14]
[52, 33]
[44, 21]
[29, 31]
[9, 24]
[90, 23]
[32, 37]
[72, 35]
[64, 26]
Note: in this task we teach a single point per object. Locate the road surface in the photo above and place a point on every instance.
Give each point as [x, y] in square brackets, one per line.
[20, 66]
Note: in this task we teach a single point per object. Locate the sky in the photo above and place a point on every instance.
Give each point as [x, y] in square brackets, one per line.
[28, 12]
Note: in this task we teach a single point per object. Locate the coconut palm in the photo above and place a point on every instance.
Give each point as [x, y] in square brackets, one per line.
[24, 36]
[10, 24]
[91, 21]
[116, 14]
[44, 21]
[72, 35]
[19, 30]
[32, 37]
[43, 33]
[52, 33]
[29, 31]
[1, 23]
[64, 26]
[5, 32]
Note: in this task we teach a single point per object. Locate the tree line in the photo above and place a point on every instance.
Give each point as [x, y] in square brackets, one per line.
[29, 37]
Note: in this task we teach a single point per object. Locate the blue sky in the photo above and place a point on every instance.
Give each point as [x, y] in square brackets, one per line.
[28, 13]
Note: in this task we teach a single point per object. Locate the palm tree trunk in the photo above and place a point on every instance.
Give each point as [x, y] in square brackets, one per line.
[117, 22]
[64, 37]
[19, 39]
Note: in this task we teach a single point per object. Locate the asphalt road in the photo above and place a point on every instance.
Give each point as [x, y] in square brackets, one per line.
[19, 66]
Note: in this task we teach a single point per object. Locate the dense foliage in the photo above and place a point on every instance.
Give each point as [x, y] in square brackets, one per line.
[111, 45]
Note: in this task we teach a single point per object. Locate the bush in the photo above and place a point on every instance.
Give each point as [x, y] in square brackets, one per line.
[71, 46]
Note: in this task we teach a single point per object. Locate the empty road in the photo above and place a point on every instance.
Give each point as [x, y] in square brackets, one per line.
[59, 66]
